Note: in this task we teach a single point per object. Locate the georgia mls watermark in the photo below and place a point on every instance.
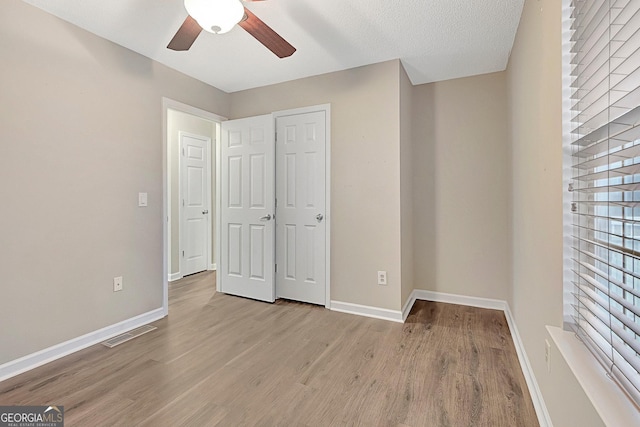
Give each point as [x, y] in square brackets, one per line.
[31, 416]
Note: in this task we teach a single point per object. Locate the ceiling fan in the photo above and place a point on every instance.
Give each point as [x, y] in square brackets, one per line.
[220, 16]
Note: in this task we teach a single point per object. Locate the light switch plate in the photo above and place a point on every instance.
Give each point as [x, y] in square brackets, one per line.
[142, 199]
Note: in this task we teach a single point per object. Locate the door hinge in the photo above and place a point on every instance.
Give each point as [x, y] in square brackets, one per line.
[276, 203]
[182, 202]
[182, 254]
[183, 151]
[276, 268]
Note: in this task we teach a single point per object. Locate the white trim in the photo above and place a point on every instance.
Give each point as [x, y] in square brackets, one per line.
[367, 311]
[32, 361]
[175, 276]
[408, 305]
[302, 110]
[326, 108]
[493, 304]
[327, 201]
[532, 384]
[218, 200]
[194, 111]
[170, 104]
[166, 199]
[213, 266]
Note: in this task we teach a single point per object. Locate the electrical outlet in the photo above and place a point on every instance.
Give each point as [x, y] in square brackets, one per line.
[547, 354]
[117, 284]
[382, 278]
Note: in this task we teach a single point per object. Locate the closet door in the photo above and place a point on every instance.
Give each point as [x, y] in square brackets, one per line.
[301, 201]
[247, 209]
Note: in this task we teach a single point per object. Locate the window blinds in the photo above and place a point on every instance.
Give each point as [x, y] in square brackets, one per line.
[605, 135]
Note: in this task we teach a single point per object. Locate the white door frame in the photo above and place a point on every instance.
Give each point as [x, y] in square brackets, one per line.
[170, 104]
[327, 110]
[181, 210]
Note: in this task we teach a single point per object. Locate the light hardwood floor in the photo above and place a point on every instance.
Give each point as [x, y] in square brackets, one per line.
[219, 360]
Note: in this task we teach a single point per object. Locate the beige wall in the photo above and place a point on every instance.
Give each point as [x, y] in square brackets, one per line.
[365, 175]
[82, 135]
[424, 186]
[177, 122]
[462, 187]
[406, 185]
[535, 116]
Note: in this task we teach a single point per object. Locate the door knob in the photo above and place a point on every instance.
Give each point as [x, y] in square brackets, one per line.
[267, 217]
[205, 212]
[319, 217]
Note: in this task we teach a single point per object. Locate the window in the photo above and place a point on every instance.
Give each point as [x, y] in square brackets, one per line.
[604, 298]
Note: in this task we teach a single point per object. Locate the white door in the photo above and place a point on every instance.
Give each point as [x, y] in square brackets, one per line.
[300, 212]
[195, 193]
[247, 208]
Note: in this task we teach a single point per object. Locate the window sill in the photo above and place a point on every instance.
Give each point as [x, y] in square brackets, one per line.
[612, 404]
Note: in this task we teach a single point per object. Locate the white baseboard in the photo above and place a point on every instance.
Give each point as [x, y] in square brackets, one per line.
[31, 361]
[408, 305]
[536, 395]
[178, 275]
[493, 304]
[365, 310]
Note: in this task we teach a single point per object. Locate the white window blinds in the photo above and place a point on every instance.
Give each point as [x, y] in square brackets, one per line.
[605, 103]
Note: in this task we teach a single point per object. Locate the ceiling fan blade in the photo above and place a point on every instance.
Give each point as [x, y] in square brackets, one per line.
[186, 35]
[265, 35]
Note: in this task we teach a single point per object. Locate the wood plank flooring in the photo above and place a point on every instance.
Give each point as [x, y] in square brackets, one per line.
[219, 360]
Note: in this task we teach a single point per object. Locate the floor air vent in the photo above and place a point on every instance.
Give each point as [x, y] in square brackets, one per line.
[112, 342]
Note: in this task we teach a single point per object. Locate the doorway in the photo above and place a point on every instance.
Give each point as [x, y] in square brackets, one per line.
[189, 207]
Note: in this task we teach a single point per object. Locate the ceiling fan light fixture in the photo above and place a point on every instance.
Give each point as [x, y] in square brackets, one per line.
[215, 16]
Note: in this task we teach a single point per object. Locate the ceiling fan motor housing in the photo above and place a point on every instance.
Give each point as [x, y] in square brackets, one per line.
[215, 16]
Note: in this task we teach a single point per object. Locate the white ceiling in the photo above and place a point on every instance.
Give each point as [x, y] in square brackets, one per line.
[435, 39]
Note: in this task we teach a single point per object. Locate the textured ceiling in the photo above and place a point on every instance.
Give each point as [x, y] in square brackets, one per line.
[435, 39]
